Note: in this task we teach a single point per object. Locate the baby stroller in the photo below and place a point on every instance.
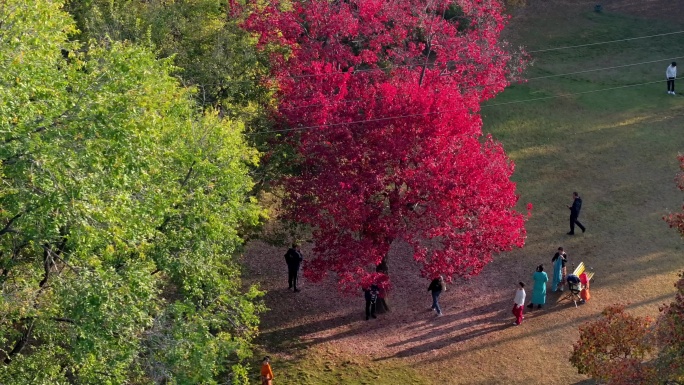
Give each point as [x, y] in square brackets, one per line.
[575, 288]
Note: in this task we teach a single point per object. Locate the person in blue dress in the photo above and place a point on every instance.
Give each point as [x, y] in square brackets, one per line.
[559, 260]
[539, 290]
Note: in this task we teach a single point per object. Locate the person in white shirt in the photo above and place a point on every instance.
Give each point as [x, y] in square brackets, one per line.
[519, 301]
[671, 75]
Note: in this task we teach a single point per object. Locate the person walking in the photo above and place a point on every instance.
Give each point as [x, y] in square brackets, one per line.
[671, 75]
[293, 258]
[518, 303]
[266, 372]
[574, 213]
[539, 290]
[371, 295]
[437, 286]
[559, 260]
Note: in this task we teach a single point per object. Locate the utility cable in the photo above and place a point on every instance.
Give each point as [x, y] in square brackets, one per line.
[529, 79]
[414, 65]
[604, 42]
[439, 112]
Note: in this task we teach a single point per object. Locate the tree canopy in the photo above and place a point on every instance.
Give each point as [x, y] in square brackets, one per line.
[121, 206]
[380, 101]
[208, 48]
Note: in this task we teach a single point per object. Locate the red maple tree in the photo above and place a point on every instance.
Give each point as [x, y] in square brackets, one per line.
[670, 329]
[613, 349]
[676, 220]
[381, 101]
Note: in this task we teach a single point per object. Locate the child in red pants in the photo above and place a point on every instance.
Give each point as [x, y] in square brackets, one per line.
[519, 301]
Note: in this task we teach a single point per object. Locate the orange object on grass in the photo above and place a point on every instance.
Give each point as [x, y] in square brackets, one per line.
[584, 294]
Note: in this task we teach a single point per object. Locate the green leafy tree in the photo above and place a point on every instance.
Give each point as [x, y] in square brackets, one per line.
[211, 52]
[209, 49]
[120, 209]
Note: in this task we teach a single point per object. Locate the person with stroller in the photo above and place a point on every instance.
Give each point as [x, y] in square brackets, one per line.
[559, 270]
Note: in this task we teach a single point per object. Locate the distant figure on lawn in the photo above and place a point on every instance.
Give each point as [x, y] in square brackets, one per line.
[266, 372]
[518, 303]
[559, 270]
[539, 290]
[671, 75]
[437, 286]
[574, 213]
[294, 258]
[371, 295]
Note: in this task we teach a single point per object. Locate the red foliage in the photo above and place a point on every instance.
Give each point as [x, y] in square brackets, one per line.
[676, 220]
[671, 336]
[381, 100]
[613, 348]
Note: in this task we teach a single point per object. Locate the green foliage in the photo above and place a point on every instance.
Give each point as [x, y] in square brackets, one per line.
[209, 49]
[120, 208]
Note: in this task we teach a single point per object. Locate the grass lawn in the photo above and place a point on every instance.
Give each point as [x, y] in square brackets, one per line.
[617, 148]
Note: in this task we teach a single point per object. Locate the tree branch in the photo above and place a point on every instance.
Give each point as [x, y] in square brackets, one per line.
[7, 229]
[20, 344]
[65, 320]
[187, 176]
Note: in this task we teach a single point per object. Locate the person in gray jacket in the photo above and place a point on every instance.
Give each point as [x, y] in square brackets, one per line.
[671, 75]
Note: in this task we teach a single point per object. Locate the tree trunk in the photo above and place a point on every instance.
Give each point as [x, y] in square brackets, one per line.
[382, 306]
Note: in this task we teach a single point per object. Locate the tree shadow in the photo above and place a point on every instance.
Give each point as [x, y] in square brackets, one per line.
[570, 321]
[290, 339]
[436, 345]
[585, 382]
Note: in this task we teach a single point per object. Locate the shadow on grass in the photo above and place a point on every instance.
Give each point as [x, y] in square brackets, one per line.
[558, 306]
[289, 340]
[585, 382]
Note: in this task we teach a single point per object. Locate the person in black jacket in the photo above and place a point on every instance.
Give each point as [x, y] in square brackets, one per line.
[437, 286]
[294, 258]
[574, 213]
[371, 295]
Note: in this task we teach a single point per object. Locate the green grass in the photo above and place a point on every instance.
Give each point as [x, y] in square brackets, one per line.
[326, 367]
[618, 146]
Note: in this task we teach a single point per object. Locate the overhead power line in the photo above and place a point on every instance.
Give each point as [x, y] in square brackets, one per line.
[360, 71]
[529, 79]
[605, 68]
[604, 42]
[440, 112]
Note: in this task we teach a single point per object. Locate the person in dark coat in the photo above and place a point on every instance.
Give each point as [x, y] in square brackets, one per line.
[437, 286]
[294, 258]
[371, 295]
[574, 213]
